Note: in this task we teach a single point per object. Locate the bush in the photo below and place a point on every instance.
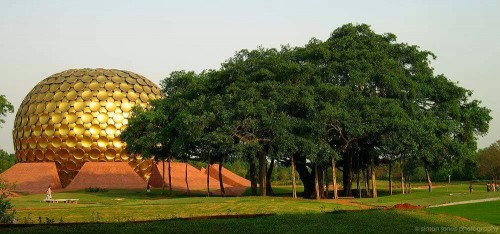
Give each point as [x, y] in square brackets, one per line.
[95, 190]
[5, 205]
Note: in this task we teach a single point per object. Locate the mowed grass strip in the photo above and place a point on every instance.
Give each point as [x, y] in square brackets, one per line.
[363, 221]
[484, 211]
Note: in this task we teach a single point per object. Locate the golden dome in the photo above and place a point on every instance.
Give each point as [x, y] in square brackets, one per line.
[76, 116]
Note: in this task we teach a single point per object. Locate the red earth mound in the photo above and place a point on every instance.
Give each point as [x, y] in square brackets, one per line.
[228, 177]
[33, 177]
[108, 175]
[196, 179]
[406, 206]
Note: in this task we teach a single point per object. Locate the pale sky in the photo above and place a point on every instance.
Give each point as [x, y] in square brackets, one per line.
[154, 38]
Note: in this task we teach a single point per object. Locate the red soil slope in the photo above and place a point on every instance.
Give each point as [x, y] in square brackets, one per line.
[228, 177]
[33, 177]
[196, 179]
[108, 175]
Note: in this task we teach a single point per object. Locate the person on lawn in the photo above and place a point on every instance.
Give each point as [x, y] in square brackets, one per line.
[470, 188]
[48, 195]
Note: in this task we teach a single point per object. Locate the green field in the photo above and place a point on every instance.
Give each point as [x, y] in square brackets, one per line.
[488, 212]
[126, 205]
[127, 211]
[441, 194]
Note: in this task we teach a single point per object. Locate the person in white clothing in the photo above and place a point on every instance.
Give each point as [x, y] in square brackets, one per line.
[49, 194]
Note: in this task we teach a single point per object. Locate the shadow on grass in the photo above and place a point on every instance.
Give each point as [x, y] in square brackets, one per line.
[340, 221]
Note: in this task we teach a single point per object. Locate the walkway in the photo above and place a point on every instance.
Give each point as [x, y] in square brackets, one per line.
[466, 202]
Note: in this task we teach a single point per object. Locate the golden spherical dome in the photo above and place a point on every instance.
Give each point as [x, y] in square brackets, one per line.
[76, 116]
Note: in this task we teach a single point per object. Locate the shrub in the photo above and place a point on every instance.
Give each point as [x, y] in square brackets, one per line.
[6, 216]
[95, 190]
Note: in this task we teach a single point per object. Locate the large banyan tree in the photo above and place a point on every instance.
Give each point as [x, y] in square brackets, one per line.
[351, 102]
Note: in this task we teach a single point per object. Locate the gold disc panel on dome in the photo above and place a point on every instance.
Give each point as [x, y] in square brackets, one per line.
[76, 116]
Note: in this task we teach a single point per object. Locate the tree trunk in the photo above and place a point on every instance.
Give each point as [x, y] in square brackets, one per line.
[374, 179]
[325, 184]
[263, 171]
[294, 183]
[409, 183]
[316, 182]
[358, 178]
[334, 180]
[253, 176]
[366, 182]
[402, 179]
[269, 187]
[358, 185]
[306, 176]
[321, 182]
[347, 175]
[368, 173]
[221, 184]
[494, 182]
[208, 176]
[170, 175]
[429, 182]
[187, 183]
[390, 178]
[163, 178]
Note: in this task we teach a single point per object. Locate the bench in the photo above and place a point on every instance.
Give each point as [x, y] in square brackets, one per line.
[61, 200]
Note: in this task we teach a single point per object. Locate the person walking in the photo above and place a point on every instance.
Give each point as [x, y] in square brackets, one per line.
[470, 188]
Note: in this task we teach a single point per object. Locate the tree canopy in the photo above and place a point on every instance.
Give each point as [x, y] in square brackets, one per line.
[360, 98]
[489, 162]
[5, 108]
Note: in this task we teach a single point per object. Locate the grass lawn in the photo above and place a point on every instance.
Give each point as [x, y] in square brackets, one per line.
[129, 205]
[131, 211]
[366, 221]
[485, 211]
[442, 193]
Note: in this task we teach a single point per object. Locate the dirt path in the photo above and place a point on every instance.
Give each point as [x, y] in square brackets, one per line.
[467, 202]
[348, 202]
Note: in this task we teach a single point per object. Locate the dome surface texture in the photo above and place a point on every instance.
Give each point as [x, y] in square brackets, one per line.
[76, 116]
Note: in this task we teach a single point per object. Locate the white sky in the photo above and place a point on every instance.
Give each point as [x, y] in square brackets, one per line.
[153, 38]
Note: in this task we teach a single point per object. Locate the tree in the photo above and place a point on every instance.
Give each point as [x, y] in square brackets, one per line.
[144, 137]
[6, 160]
[489, 162]
[379, 88]
[5, 108]
[354, 101]
[5, 204]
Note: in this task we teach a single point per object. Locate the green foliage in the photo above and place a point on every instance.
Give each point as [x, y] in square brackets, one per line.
[358, 97]
[95, 190]
[489, 162]
[5, 108]
[239, 167]
[6, 160]
[6, 216]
